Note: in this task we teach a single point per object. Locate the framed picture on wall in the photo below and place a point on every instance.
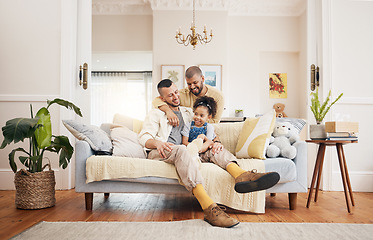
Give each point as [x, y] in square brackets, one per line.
[213, 74]
[175, 73]
[278, 85]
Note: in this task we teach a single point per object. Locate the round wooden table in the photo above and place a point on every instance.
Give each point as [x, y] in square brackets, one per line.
[342, 164]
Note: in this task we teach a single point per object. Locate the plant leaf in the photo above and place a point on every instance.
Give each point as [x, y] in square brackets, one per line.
[320, 111]
[12, 163]
[62, 145]
[43, 134]
[18, 129]
[66, 104]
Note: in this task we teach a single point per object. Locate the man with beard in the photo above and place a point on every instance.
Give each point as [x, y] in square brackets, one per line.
[196, 88]
[165, 144]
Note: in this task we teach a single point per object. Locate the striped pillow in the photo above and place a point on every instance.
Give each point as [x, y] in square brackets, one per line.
[255, 135]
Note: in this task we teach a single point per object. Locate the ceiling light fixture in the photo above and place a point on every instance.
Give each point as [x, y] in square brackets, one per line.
[194, 37]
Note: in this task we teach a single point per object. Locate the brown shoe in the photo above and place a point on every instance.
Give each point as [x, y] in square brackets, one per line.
[252, 181]
[217, 217]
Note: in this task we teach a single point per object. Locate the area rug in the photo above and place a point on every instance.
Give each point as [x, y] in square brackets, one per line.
[195, 229]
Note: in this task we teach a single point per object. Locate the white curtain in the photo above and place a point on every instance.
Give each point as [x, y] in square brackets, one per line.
[127, 93]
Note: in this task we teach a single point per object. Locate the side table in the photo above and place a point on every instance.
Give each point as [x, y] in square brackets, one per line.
[342, 164]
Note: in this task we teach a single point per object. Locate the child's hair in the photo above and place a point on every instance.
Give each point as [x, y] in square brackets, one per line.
[207, 102]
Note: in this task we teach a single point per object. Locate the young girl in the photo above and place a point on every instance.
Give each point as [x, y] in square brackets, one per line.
[204, 109]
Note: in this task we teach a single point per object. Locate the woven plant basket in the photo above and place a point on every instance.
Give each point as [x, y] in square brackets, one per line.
[35, 190]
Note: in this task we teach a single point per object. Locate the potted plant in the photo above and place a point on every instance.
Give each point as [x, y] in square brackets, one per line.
[319, 110]
[238, 113]
[35, 187]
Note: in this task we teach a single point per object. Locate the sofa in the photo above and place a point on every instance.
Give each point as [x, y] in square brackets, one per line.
[293, 172]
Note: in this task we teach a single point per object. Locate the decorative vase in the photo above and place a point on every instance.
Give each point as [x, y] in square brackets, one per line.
[35, 190]
[238, 114]
[317, 132]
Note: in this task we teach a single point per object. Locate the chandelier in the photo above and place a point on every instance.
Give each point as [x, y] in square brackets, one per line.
[194, 37]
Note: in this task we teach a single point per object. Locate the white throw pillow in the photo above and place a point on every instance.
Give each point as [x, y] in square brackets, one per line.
[126, 143]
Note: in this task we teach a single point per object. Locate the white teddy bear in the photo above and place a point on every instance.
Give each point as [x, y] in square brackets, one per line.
[283, 136]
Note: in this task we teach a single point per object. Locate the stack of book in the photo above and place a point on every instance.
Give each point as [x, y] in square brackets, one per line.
[341, 136]
[341, 131]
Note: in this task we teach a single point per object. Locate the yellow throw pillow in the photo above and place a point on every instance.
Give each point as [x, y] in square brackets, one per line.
[255, 135]
[129, 122]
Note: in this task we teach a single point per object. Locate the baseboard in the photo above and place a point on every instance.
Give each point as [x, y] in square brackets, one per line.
[360, 181]
[6, 179]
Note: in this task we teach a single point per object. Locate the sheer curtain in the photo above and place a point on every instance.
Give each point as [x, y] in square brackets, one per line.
[127, 93]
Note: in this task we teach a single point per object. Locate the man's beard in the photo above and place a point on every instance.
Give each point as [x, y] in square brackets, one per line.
[199, 90]
[173, 104]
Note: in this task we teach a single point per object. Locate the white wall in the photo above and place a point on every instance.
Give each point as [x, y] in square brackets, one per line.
[122, 33]
[167, 51]
[259, 46]
[239, 44]
[29, 65]
[348, 62]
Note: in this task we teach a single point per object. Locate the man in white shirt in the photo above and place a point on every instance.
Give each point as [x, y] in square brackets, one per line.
[165, 142]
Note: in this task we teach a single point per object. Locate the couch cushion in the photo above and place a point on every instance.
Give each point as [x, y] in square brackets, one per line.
[255, 135]
[283, 166]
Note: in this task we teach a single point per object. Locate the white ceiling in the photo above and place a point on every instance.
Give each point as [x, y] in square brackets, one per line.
[234, 7]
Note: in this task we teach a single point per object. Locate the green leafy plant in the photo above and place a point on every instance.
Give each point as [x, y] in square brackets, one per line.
[38, 130]
[318, 109]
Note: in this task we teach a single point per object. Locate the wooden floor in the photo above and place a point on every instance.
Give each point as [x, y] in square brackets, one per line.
[330, 207]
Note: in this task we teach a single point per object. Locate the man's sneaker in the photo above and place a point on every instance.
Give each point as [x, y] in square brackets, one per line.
[252, 181]
[217, 217]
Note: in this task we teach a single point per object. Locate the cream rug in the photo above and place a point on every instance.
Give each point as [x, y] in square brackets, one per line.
[195, 229]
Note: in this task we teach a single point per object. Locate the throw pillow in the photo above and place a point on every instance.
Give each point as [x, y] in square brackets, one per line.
[125, 143]
[255, 135]
[97, 138]
[296, 122]
[129, 122]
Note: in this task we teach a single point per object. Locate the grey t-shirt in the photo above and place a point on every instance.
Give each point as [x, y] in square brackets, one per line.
[175, 135]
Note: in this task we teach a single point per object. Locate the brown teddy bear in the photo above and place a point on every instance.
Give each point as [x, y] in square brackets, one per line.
[279, 108]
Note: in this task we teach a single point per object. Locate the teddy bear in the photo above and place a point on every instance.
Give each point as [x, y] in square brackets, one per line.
[279, 108]
[280, 143]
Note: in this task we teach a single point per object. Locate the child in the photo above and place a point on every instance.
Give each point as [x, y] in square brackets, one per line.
[204, 109]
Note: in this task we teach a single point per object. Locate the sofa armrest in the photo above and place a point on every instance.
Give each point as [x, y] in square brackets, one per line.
[301, 162]
[82, 152]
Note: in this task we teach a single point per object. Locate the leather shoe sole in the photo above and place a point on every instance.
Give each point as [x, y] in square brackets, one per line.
[262, 183]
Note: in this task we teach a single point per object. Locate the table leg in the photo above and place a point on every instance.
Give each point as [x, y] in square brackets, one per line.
[341, 165]
[319, 178]
[320, 156]
[347, 177]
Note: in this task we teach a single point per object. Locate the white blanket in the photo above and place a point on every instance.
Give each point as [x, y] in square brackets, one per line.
[218, 183]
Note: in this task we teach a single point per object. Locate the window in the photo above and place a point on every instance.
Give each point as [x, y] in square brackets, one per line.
[126, 93]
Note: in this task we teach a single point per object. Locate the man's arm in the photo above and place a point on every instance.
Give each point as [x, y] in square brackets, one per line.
[185, 140]
[159, 145]
[171, 116]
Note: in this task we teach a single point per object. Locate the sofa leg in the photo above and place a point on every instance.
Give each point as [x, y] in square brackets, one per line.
[88, 201]
[106, 195]
[292, 201]
[273, 194]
